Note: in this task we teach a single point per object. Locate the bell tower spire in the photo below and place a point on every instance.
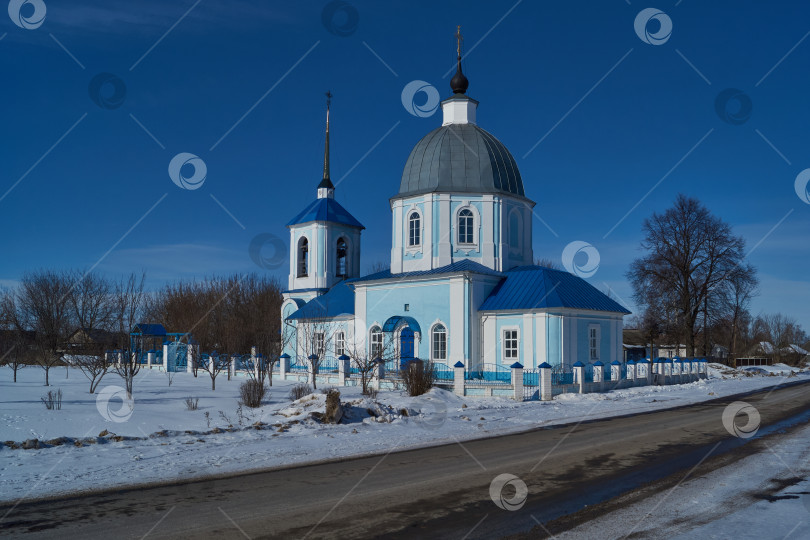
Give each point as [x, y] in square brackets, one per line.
[326, 189]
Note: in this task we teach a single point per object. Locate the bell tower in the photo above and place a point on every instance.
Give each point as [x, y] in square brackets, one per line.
[324, 237]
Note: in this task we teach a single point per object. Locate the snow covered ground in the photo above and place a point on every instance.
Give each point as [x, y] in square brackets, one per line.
[155, 438]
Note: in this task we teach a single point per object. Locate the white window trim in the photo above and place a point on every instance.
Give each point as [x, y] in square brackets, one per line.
[371, 340]
[446, 342]
[348, 254]
[504, 360]
[416, 247]
[598, 328]
[339, 341]
[298, 273]
[476, 219]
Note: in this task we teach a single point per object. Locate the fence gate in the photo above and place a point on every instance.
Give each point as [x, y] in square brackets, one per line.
[177, 359]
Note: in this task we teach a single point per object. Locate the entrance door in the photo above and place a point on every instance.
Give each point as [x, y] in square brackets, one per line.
[405, 346]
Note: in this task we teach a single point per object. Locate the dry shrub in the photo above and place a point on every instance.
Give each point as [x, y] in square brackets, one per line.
[418, 377]
[300, 390]
[252, 393]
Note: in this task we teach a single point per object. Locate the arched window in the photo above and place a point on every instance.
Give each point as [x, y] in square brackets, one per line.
[439, 340]
[376, 343]
[514, 230]
[341, 264]
[303, 257]
[414, 229]
[465, 227]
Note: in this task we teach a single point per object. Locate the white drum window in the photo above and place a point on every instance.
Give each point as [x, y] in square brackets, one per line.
[414, 229]
[465, 227]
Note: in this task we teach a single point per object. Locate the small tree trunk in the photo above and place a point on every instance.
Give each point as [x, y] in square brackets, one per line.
[47, 368]
[213, 383]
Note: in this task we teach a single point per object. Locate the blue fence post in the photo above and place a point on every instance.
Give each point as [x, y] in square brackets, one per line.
[284, 366]
[579, 375]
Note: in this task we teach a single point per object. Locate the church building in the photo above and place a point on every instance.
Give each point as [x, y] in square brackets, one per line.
[462, 286]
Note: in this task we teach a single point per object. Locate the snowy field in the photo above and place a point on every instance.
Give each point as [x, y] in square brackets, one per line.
[106, 443]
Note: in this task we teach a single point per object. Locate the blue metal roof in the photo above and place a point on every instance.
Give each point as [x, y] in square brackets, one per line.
[535, 287]
[326, 209]
[338, 301]
[464, 265]
[147, 329]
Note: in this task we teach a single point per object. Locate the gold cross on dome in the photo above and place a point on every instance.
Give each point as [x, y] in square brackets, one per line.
[459, 38]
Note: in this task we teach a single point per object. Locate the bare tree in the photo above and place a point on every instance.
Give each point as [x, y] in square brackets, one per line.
[43, 308]
[547, 263]
[14, 343]
[691, 254]
[314, 337]
[217, 363]
[128, 303]
[91, 302]
[366, 359]
[736, 298]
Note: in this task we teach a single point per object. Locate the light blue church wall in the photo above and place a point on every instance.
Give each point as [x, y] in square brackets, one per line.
[476, 204]
[502, 322]
[419, 204]
[583, 344]
[427, 301]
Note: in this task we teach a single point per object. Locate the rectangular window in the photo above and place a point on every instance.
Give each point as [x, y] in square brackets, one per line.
[376, 344]
[319, 344]
[510, 344]
[593, 341]
[440, 344]
[340, 344]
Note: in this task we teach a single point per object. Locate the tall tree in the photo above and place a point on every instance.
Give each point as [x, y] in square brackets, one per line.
[690, 256]
[43, 307]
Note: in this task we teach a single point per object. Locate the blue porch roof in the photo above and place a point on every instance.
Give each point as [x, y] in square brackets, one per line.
[325, 209]
[536, 287]
[338, 301]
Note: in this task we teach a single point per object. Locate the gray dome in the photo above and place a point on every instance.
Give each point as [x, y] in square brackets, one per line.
[460, 158]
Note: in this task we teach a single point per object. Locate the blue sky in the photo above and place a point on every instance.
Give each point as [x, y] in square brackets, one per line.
[240, 84]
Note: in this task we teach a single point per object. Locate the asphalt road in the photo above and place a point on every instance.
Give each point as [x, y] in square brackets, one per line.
[439, 492]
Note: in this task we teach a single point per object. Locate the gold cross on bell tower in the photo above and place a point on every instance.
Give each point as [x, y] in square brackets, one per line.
[459, 39]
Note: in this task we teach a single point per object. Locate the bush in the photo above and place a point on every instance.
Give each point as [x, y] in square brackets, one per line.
[252, 393]
[300, 390]
[191, 403]
[371, 392]
[418, 377]
[53, 400]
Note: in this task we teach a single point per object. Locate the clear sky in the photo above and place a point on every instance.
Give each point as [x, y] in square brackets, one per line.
[605, 127]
